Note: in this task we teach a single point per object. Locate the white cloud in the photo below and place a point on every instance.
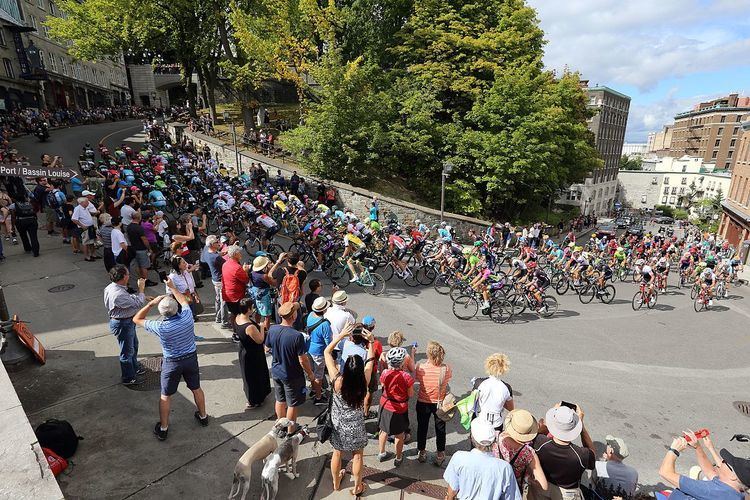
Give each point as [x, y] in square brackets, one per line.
[641, 42]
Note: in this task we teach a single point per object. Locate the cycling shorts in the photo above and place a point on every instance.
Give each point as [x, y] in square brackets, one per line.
[646, 278]
[359, 252]
[398, 253]
[661, 269]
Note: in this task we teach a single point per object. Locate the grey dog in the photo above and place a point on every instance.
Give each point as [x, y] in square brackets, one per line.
[284, 454]
[259, 451]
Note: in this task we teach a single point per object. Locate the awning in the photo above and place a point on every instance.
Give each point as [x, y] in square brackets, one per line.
[736, 211]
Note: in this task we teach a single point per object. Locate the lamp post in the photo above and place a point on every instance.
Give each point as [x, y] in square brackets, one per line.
[447, 168]
[237, 159]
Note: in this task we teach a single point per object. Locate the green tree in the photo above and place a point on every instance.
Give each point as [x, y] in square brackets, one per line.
[631, 162]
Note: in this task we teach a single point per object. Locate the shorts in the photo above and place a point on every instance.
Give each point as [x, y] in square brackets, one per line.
[393, 423]
[709, 282]
[419, 247]
[373, 386]
[51, 215]
[290, 392]
[399, 253]
[661, 269]
[141, 257]
[270, 232]
[646, 278]
[182, 367]
[358, 253]
[86, 238]
[319, 366]
[233, 307]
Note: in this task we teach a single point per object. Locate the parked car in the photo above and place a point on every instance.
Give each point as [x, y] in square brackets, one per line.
[635, 230]
[664, 220]
[623, 222]
[608, 230]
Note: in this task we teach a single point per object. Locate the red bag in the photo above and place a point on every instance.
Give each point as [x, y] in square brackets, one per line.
[56, 463]
[290, 287]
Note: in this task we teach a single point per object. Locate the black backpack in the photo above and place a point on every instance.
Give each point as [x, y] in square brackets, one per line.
[24, 210]
[58, 436]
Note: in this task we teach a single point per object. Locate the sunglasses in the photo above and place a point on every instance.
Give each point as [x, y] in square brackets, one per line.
[742, 438]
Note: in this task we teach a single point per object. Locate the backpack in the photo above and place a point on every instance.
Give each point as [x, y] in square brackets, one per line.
[24, 210]
[57, 464]
[58, 436]
[290, 287]
[52, 201]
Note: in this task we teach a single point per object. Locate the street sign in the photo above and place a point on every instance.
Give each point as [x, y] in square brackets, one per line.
[31, 171]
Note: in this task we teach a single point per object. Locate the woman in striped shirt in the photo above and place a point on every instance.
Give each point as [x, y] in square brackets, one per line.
[431, 392]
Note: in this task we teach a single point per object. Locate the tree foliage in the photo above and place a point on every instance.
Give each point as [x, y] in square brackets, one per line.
[634, 162]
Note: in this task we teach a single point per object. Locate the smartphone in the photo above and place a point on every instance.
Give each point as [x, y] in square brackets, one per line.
[569, 405]
[699, 434]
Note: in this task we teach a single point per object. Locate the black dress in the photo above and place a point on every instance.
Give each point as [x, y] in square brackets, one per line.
[255, 377]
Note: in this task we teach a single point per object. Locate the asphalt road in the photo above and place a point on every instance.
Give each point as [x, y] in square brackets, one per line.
[644, 376]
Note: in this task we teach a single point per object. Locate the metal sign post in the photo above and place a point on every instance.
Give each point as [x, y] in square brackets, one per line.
[32, 171]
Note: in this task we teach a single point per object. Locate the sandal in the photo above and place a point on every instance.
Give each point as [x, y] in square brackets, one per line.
[439, 459]
[361, 491]
[422, 456]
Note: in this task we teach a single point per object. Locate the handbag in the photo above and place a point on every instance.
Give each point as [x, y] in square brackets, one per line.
[446, 407]
[196, 305]
[324, 426]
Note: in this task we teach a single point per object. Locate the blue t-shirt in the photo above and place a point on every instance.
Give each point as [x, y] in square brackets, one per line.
[373, 213]
[176, 334]
[214, 261]
[76, 184]
[477, 475]
[705, 490]
[286, 345]
[320, 337]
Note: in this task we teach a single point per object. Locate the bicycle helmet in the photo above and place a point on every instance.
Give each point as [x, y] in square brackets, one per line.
[620, 249]
[396, 357]
[466, 251]
[640, 262]
[702, 265]
[478, 243]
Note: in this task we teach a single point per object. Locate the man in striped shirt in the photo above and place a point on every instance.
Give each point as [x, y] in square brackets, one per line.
[176, 334]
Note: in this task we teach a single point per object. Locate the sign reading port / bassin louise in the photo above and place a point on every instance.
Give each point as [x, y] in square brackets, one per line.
[32, 171]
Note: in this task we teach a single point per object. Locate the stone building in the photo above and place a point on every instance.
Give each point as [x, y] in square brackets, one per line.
[735, 221]
[38, 72]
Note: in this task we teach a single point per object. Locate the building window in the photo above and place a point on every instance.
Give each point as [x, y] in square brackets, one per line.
[739, 118]
[664, 199]
[40, 4]
[727, 165]
[643, 198]
[32, 19]
[654, 181]
[716, 144]
[52, 9]
[682, 190]
[714, 154]
[720, 131]
[723, 118]
[666, 190]
[674, 190]
[2, 37]
[684, 169]
[735, 130]
[729, 154]
[732, 143]
[666, 180]
[671, 200]
[52, 61]
[684, 180]
[8, 68]
[63, 67]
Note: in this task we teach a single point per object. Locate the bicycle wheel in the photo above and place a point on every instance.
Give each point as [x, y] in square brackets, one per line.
[465, 307]
[387, 272]
[375, 284]
[698, 304]
[694, 292]
[607, 294]
[457, 290]
[549, 306]
[501, 310]
[637, 302]
[517, 303]
[273, 250]
[587, 293]
[562, 286]
[442, 284]
[426, 275]
[652, 300]
[409, 278]
[339, 275]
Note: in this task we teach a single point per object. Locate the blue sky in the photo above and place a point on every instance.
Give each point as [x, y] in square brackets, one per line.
[665, 54]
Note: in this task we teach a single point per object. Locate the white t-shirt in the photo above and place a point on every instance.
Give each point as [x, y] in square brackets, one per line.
[493, 394]
[126, 212]
[339, 317]
[616, 475]
[117, 238]
[162, 228]
[83, 215]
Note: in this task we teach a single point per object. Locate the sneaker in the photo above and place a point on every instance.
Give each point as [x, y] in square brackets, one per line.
[382, 457]
[151, 283]
[65, 241]
[710, 302]
[161, 435]
[15, 241]
[199, 285]
[133, 381]
[354, 279]
[235, 338]
[726, 294]
[141, 370]
[203, 420]
[422, 457]
[398, 461]
[318, 269]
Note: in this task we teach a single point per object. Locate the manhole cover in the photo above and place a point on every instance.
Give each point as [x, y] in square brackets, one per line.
[742, 407]
[61, 288]
[152, 378]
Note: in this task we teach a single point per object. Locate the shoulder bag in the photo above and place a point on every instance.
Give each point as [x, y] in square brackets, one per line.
[446, 407]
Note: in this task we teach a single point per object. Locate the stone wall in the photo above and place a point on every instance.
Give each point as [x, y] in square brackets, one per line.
[355, 198]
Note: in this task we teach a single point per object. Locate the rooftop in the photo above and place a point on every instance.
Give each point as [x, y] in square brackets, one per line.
[609, 90]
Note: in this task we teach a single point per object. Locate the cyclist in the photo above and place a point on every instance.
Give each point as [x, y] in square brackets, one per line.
[647, 275]
[397, 250]
[538, 282]
[354, 248]
[662, 267]
[707, 280]
[271, 228]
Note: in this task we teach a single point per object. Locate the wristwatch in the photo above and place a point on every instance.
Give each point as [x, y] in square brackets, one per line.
[677, 453]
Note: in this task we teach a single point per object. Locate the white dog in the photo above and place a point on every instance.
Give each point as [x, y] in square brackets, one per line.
[259, 451]
[286, 452]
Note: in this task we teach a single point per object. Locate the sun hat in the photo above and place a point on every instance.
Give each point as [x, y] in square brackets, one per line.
[260, 263]
[320, 304]
[287, 308]
[482, 432]
[618, 446]
[563, 423]
[340, 297]
[521, 425]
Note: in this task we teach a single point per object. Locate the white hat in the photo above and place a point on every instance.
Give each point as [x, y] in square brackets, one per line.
[482, 432]
[340, 297]
[86, 192]
[563, 423]
[320, 304]
[618, 446]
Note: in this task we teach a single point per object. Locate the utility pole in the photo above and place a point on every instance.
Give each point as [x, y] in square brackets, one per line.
[447, 168]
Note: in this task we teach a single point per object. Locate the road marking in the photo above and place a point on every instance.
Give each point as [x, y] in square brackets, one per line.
[117, 132]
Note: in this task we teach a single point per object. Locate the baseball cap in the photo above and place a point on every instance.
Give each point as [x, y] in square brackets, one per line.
[740, 466]
[482, 432]
[287, 308]
[618, 446]
[368, 321]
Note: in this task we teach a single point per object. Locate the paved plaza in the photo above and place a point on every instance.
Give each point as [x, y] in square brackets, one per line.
[644, 376]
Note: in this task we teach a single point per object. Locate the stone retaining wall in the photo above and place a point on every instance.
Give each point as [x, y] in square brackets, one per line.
[355, 198]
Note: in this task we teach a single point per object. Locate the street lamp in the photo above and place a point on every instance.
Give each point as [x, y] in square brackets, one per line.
[237, 159]
[447, 168]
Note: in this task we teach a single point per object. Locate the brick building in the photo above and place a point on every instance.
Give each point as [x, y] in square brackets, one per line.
[735, 221]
